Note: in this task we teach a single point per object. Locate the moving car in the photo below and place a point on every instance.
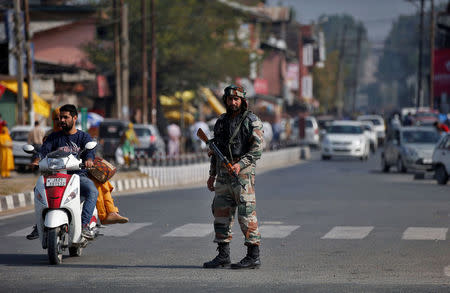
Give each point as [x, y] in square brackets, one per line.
[409, 148]
[371, 135]
[378, 124]
[345, 139]
[19, 136]
[441, 160]
[150, 141]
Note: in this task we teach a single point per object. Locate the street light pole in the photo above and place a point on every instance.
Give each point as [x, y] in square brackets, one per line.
[419, 75]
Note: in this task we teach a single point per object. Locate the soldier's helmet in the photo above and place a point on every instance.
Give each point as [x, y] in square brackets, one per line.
[233, 90]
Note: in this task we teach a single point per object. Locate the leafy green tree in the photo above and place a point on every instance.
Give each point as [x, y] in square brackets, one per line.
[341, 37]
[324, 81]
[196, 43]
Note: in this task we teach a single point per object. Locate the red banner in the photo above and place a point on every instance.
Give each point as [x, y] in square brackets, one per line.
[441, 81]
[2, 90]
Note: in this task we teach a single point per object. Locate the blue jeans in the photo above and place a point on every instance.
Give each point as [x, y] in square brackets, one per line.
[88, 193]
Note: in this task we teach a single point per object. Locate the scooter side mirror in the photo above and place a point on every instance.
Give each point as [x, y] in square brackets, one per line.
[28, 148]
[90, 145]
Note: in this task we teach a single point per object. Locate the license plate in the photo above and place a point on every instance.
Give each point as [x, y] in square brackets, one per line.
[56, 182]
[427, 161]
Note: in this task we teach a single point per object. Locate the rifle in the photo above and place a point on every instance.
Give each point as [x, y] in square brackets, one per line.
[222, 158]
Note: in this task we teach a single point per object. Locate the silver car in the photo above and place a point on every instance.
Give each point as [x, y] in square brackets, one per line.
[19, 136]
[150, 141]
[409, 148]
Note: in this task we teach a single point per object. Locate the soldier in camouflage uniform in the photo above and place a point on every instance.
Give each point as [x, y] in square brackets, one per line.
[239, 136]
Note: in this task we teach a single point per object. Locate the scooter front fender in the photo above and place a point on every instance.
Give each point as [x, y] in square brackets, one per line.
[56, 218]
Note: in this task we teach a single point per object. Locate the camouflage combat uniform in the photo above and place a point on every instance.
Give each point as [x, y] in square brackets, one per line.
[229, 194]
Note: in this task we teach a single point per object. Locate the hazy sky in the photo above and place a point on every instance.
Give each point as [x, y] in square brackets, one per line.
[377, 15]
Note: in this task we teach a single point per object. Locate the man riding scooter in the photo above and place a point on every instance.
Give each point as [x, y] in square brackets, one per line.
[70, 139]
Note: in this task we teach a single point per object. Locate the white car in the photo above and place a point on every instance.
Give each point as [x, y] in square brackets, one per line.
[371, 135]
[441, 160]
[311, 131]
[19, 136]
[345, 139]
[378, 123]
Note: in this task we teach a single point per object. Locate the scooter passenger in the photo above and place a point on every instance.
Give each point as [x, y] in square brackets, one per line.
[70, 139]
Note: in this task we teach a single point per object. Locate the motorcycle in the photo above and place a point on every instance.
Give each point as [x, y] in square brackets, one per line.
[57, 204]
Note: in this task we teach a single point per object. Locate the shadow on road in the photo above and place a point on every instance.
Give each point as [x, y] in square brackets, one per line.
[42, 260]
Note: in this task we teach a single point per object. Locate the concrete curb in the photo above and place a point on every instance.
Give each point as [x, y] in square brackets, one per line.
[170, 176]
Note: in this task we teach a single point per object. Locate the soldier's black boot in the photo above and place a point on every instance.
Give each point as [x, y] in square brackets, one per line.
[222, 259]
[250, 261]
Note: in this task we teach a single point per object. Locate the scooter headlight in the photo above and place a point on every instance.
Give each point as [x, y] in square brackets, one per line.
[55, 163]
[71, 196]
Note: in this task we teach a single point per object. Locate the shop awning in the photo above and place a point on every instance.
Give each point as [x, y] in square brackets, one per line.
[215, 104]
[41, 107]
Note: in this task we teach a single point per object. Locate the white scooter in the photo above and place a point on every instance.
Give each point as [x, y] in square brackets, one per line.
[57, 204]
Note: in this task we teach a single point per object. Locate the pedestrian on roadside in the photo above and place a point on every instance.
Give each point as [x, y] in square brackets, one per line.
[239, 136]
[173, 147]
[130, 140]
[441, 127]
[6, 154]
[36, 136]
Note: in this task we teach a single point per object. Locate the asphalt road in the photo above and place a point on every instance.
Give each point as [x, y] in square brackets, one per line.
[327, 226]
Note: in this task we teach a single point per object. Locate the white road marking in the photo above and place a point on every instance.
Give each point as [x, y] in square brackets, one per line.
[22, 233]
[121, 230]
[425, 233]
[276, 231]
[348, 232]
[447, 271]
[271, 223]
[191, 230]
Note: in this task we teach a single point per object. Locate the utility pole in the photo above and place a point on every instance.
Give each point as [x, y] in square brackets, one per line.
[29, 63]
[432, 28]
[117, 67]
[419, 74]
[18, 51]
[125, 42]
[358, 54]
[144, 63]
[153, 67]
[339, 81]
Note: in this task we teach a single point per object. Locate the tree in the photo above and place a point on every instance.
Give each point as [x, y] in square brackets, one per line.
[342, 32]
[197, 44]
[324, 81]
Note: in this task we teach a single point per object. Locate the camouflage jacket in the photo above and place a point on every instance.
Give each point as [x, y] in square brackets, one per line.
[248, 141]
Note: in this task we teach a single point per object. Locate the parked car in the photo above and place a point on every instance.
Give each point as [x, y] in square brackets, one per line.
[19, 136]
[312, 131]
[441, 160]
[150, 141]
[378, 123]
[345, 139]
[371, 135]
[409, 148]
[109, 136]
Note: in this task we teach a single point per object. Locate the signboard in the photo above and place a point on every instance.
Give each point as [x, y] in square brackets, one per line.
[292, 76]
[441, 80]
[261, 86]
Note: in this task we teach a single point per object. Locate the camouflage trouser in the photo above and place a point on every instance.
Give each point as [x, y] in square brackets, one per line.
[230, 195]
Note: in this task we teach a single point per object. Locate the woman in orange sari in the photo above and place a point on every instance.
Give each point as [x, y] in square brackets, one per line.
[6, 154]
